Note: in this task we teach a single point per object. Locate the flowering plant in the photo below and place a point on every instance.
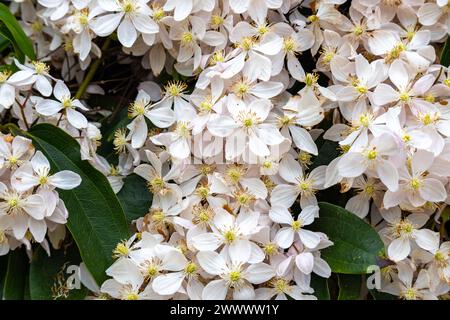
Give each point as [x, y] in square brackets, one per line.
[225, 149]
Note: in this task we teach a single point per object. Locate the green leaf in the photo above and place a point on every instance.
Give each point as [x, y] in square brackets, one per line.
[356, 244]
[135, 197]
[20, 38]
[49, 275]
[378, 295]
[445, 55]
[3, 266]
[349, 286]
[15, 277]
[327, 152]
[4, 43]
[96, 218]
[320, 286]
[4, 32]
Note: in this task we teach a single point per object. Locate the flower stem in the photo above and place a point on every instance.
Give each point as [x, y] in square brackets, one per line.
[92, 70]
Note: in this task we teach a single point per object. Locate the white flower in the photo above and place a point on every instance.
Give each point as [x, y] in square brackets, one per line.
[35, 74]
[404, 230]
[7, 90]
[126, 283]
[37, 173]
[22, 212]
[232, 275]
[372, 159]
[131, 16]
[286, 235]
[404, 287]
[416, 185]
[246, 129]
[14, 152]
[233, 233]
[139, 110]
[299, 184]
[65, 103]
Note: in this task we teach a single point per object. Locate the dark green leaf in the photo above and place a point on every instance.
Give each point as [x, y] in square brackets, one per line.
[327, 152]
[20, 38]
[4, 43]
[15, 277]
[356, 244]
[135, 197]
[4, 32]
[349, 286]
[49, 275]
[378, 295]
[3, 266]
[320, 286]
[96, 218]
[445, 55]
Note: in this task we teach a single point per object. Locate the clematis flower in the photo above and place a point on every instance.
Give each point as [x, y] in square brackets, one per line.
[66, 103]
[232, 275]
[403, 231]
[373, 159]
[299, 184]
[22, 212]
[129, 17]
[286, 235]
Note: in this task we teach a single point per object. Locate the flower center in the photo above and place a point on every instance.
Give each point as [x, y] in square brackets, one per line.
[312, 18]
[216, 57]
[396, 51]
[128, 6]
[241, 88]
[156, 185]
[43, 180]
[187, 38]
[358, 30]
[182, 129]
[447, 82]
[40, 67]
[216, 21]
[202, 215]
[289, 45]
[175, 88]
[190, 268]
[404, 96]
[296, 225]
[120, 140]
[234, 173]
[4, 75]
[158, 216]
[404, 228]
[136, 108]
[67, 102]
[304, 158]
[246, 43]
[281, 285]
[235, 276]
[158, 14]
[409, 294]
[311, 79]
[229, 236]
[270, 248]
[121, 250]
[131, 296]
[369, 190]
[372, 154]
[415, 184]
[202, 192]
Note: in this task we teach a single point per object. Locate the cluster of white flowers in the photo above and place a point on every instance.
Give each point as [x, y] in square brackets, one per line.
[30, 206]
[229, 163]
